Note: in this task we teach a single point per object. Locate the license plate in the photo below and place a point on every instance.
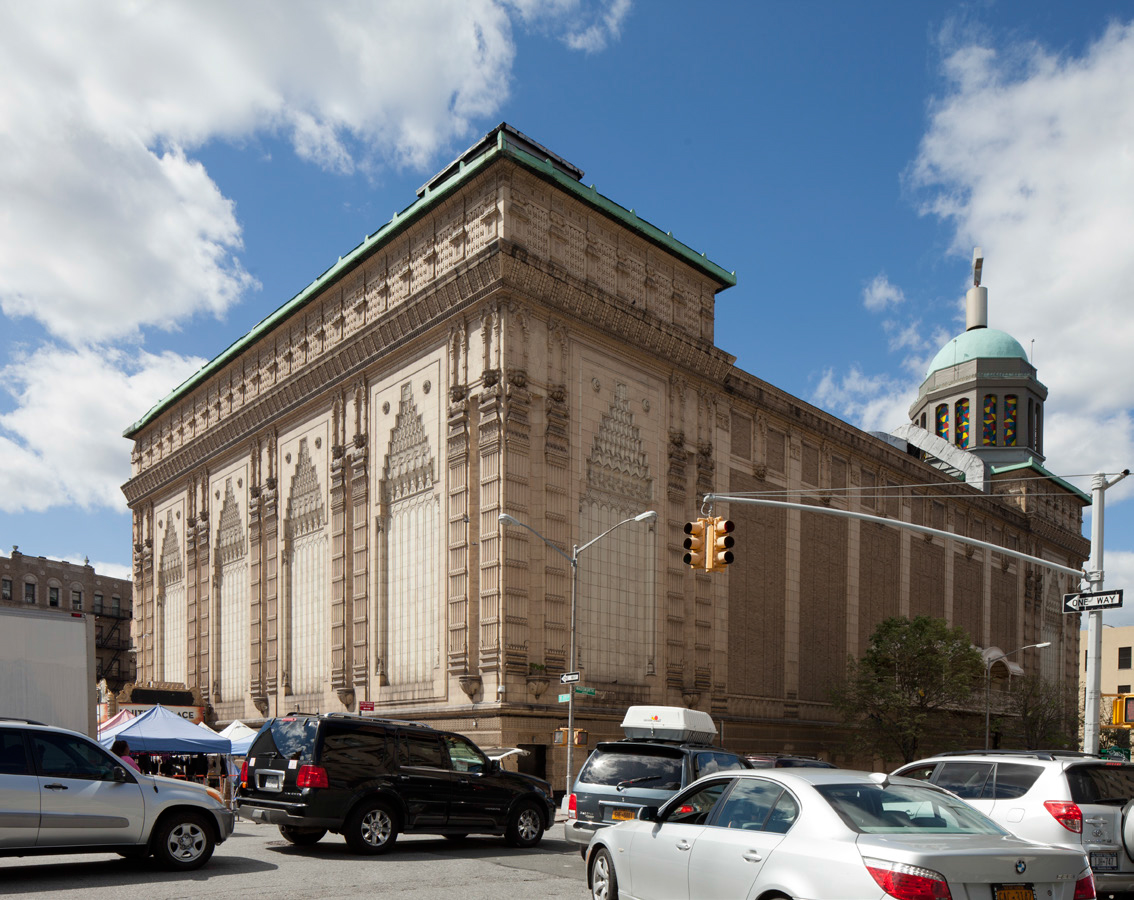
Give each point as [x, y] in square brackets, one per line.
[271, 783]
[1014, 892]
[622, 815]
[1106, 861]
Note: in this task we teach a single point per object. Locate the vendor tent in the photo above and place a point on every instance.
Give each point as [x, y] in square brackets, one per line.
[160, 731]
[119, 718]
[240, 735]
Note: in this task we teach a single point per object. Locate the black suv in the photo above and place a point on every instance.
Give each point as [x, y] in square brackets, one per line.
[369, 779]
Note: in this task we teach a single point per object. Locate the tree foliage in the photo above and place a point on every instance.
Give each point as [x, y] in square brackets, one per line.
[1046, 711]
[914, 672]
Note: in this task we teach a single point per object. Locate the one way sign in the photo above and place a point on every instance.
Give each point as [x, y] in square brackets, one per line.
[1073, 603]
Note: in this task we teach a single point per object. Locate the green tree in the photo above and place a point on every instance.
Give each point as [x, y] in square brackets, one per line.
[914, 673]
[1047, 713]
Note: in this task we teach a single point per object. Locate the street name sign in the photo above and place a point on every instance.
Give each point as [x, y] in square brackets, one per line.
[1073, 603]
[568, 677]
[564, 698]
[585, 691]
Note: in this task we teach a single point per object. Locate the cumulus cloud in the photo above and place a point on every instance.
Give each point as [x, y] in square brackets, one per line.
[584, 25]
[873, 402]
[112, 229]
[1030, 155]
[880, 293]
[63, 444]
[110, 224]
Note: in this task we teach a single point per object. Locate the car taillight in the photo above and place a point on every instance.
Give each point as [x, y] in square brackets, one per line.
[572, 808]
[1085, 886]
[244, 774]
[1066, 814]
[908, 882]
[311, 777]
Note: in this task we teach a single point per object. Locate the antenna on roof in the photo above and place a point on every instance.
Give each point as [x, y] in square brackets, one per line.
[978, 264]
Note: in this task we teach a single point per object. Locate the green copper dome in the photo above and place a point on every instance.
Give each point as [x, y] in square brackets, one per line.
[979, 343]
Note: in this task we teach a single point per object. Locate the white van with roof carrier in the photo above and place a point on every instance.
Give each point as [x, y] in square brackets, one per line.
[665, 748]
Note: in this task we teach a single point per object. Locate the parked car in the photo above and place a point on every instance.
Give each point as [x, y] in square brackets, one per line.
[60, 792]
[824, 834]
[1056, 797]
[785, 761]
[666, 748]
[370, 779]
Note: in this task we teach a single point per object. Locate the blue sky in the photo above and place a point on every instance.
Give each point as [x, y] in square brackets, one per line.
[171, 173]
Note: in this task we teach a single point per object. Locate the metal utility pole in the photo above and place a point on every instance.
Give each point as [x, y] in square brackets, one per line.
[1099, 484]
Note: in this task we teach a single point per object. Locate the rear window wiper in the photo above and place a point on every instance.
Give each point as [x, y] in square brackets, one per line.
[623, 784]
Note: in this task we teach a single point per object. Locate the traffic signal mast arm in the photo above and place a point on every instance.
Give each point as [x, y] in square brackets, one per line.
[894, 523]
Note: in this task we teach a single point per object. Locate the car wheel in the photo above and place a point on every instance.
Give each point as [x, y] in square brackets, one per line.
[372, 828]
[183, 841]
[302, 837]
[603, 881]
[525, 827]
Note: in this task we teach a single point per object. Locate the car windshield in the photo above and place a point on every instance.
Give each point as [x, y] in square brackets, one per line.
[904, 809]
[293, 738]
[1100, 782]
[627, 768]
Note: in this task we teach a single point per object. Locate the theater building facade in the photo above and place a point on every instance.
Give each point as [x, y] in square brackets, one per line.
[317, 511]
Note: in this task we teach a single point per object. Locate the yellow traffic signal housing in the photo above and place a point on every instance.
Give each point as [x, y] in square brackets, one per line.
[1123, 710]
[723, 542]
[696, 545]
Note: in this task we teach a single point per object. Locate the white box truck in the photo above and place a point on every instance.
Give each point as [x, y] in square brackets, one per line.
[47, 668]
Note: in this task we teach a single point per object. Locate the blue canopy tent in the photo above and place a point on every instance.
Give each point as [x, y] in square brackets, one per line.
[160, 731]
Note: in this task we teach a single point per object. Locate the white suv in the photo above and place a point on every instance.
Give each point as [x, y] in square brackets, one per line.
[1053, 797]
[60, 792]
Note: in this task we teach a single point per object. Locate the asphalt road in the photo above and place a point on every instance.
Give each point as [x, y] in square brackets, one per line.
[257, 863]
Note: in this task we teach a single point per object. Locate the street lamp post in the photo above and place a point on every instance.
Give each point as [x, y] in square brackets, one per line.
[506, 519]
[988, 680]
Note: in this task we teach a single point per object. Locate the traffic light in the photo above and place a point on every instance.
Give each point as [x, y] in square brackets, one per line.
[695, 545]
[723, 543]
[1123, 710]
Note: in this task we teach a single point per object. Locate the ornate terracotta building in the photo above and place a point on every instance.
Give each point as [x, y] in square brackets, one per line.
[316, 512]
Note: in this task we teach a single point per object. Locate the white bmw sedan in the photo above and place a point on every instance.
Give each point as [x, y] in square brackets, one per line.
[824, 834]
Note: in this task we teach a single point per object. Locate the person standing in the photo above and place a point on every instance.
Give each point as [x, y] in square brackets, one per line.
[121, 749]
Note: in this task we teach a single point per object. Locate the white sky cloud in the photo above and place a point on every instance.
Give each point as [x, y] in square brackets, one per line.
[880, 293]
[110, 224]
[111, 227]
[63, 443]
[1031, 156]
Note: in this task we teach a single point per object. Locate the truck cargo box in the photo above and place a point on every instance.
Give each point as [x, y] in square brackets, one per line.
[669, 723]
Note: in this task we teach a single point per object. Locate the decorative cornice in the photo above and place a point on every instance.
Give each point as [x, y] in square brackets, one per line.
[462, 290]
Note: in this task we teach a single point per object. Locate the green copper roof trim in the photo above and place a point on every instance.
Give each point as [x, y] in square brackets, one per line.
[1035, 466]
[401, 220]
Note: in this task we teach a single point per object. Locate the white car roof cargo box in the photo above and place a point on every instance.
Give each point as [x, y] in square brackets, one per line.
[669, 723]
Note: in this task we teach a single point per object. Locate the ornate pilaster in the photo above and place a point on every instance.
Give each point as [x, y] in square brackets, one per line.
[458, 443]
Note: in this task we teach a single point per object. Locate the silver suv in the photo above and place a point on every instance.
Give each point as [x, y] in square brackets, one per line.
[1064, 798]
[60, 792]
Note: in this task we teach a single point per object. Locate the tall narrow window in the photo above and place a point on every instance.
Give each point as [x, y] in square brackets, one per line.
[29, 592]
[53, 596]
[76, 599]
[1010, 407]
[961, 423]
[988, 431]
[6, 589]
[941, 420]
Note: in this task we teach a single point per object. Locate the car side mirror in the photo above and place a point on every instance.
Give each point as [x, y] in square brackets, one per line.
[493, 767]
[648, 814]
[118, 773]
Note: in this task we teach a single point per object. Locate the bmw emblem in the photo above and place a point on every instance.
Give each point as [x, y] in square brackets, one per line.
[1020, 866]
